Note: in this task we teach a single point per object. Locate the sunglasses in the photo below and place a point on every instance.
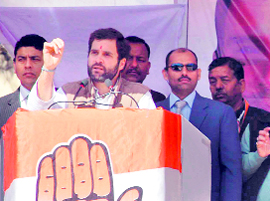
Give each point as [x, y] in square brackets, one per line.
[179, 67]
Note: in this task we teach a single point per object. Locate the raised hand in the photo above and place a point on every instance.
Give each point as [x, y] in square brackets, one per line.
[263, 142]
[80, 170]
[53, 53]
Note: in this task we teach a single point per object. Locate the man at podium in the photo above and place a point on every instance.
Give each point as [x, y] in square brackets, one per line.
[107, 55]
[214, 119]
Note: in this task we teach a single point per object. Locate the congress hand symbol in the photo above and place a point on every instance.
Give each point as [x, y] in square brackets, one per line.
[80, 170]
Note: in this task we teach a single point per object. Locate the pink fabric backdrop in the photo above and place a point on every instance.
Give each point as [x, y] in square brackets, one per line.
[243, 33]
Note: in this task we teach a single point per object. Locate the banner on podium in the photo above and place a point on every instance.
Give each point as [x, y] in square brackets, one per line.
[91, 154]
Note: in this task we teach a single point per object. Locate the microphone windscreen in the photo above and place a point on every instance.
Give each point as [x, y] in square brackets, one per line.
[84, 82]
[108, 83]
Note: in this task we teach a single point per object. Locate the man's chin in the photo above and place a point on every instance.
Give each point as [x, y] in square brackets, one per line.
[97, 79]
[132, 78]
[221, 99]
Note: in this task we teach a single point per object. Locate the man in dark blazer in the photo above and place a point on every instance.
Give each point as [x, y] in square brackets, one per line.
[28, 62]
[214, 119]
[138, 64]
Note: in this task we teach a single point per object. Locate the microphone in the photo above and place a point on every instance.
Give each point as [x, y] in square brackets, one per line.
[108, 83]
[83, 84]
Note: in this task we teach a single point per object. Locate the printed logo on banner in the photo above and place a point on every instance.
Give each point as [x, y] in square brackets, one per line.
[79, 170]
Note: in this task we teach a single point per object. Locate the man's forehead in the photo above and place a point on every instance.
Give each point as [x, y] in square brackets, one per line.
[102, 43]
[138, 49]
[182, 56]
[140, 46]
[29, 51]
[223, 70]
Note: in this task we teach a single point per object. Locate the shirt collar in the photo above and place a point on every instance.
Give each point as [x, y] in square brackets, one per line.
[23, 93]
[189, 99]
[240, 110]
[112, 89]
[23, 96]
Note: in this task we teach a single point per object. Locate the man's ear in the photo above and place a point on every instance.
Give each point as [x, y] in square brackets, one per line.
[242, 84]
[148, 67]
[14, 66]
[122, 64]
[199, 73]
[165, 75]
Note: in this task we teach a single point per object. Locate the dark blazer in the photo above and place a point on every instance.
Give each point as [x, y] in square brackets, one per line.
[157, 96]
[8, 105]
[218, 122]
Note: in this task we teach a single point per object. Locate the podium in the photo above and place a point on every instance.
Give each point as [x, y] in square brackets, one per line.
[115, 154]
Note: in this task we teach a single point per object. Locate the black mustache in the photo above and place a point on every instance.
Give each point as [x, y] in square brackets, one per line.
[131, 70]
[218, 94]
[97, 64]
[185, 77]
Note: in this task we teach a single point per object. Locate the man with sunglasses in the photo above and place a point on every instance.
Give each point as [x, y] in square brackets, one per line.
[214, 119]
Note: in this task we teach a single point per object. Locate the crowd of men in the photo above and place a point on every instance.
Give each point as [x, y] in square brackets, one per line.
[239, 133]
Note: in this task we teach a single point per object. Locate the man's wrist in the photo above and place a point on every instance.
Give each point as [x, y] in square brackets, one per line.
[47, 70]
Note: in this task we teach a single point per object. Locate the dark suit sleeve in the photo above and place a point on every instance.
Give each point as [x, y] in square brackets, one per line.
[230, 158]
[8, 105]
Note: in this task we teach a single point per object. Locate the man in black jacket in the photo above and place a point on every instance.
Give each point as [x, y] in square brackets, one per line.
[227, 84]
[138, 64]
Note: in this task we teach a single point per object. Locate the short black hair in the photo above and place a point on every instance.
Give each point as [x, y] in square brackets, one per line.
[233, 64]
[136, 39]
[122, 45]
[179, 50]
[30, 40]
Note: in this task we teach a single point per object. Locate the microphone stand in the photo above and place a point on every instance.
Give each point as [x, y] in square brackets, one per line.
[108, 82]
[76, 103]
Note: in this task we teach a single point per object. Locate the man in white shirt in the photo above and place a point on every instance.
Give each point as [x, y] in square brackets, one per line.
[107, 55]
[28, 62]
